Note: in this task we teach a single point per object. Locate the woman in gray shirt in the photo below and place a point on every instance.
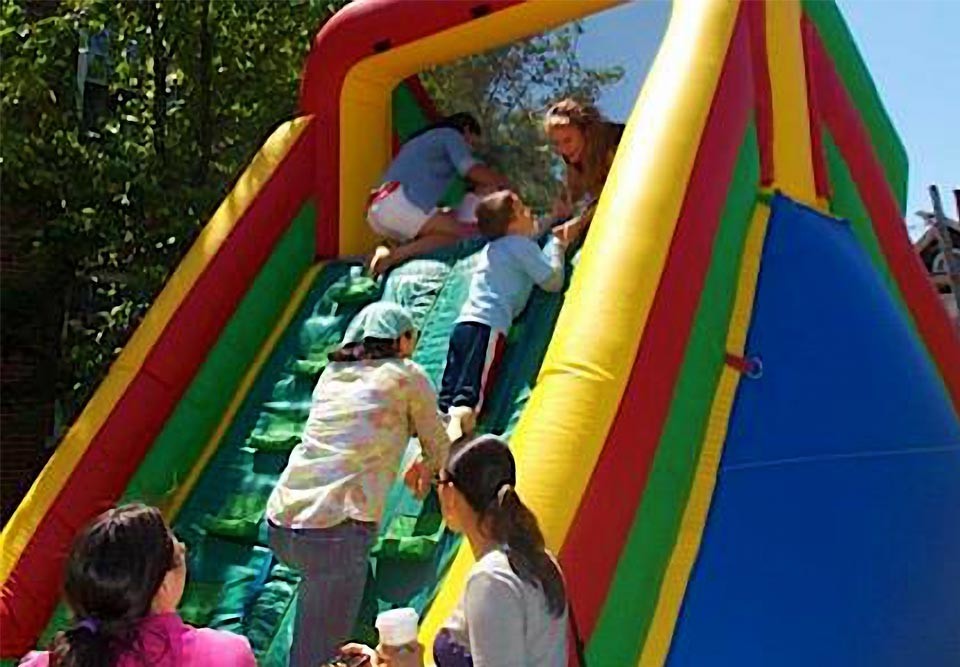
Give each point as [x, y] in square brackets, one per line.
[513, 612]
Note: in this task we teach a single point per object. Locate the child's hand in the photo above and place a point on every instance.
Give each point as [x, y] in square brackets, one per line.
[418, 479]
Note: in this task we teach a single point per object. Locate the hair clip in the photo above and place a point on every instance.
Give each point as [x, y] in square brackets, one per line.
[502, 492]
[88, 624]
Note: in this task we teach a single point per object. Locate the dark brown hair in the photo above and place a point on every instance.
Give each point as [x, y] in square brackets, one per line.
[495, 212]
[484, 471]
[369, 349]
[114, 570]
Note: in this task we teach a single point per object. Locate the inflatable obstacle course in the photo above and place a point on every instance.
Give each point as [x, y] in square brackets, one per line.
[739, 427]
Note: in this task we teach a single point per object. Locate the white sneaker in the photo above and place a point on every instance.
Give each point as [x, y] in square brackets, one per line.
[462, 422]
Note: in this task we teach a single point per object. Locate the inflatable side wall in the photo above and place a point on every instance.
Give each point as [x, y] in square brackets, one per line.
[696, 345]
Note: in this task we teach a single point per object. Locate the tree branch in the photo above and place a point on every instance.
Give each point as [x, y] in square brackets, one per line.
[161, 59]
[205, 80]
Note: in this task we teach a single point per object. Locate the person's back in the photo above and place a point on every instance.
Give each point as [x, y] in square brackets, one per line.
[362, 415]
[428, 163]
[507, 270]
[504, 620]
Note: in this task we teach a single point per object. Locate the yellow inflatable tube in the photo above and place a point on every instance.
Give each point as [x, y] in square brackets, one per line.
[563, 430]
[792, 151]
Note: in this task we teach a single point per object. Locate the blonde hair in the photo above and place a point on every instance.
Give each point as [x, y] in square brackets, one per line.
[600, 136]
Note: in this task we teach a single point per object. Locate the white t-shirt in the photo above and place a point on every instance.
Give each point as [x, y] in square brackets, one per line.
[504, 620]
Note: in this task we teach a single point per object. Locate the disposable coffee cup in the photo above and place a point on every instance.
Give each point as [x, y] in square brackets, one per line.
[398, 627]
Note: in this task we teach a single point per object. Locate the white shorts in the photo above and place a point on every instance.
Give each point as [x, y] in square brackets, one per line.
[395, 217]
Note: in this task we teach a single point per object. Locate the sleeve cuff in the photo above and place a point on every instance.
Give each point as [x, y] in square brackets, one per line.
[555, 250]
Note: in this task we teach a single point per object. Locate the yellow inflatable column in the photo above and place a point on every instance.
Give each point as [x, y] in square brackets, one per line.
[564, 427]
[792, 152]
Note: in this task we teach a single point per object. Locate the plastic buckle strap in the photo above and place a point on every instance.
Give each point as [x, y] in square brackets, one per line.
[751, 367]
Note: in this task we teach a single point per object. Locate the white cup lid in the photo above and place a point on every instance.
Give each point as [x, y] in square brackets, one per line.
[398, 626]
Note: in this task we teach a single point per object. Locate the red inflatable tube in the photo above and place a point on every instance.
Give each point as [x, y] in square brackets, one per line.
[763, 97]
[821, 176]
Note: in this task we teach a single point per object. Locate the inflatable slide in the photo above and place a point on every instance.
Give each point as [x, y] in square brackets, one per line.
[738, 426]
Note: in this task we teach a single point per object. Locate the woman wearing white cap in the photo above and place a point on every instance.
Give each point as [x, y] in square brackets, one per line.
[324, 511]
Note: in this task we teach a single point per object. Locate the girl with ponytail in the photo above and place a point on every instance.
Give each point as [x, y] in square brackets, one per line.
[124, 580]
[513, 612]
[514, 607]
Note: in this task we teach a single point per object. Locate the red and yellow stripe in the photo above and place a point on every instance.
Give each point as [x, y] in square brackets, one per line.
[619, 478]
[92, 466]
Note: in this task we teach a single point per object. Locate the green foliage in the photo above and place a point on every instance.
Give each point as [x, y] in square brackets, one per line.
[508, 89]
[111, 187]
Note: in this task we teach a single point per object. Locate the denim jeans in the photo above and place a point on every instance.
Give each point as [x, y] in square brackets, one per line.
[332, 563]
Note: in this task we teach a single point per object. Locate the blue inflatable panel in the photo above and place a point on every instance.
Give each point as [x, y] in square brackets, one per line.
[834, 533]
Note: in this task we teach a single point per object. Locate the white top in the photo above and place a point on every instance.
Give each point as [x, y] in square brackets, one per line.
[504, 620]
[362, 418]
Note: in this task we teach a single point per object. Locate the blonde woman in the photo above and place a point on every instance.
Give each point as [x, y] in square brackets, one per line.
[587, 143]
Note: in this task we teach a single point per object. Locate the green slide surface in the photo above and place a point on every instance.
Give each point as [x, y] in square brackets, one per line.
[235, 583]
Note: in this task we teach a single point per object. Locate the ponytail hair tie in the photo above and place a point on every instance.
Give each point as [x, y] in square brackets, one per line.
[502, 492]
[88, 624]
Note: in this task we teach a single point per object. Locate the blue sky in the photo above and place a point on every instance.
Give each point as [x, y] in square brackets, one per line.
[911, 48]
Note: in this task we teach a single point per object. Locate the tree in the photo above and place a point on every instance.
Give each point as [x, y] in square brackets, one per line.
[508, 89]
[123, 127]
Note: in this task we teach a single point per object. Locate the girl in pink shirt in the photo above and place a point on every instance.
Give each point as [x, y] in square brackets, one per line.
[125, 577]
